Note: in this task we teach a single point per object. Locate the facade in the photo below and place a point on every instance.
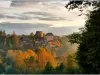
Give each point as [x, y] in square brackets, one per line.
[39, 34]
[26, 42]
[39, 37]
[49, 37]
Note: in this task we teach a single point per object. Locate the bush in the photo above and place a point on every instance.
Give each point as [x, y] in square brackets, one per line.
[48, 69]
[60, 69]
[74, 70]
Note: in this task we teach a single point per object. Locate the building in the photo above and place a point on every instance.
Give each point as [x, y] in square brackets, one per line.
[26, 42]
[49, 37]
[39, 34]
[54, 43]
[39, 37]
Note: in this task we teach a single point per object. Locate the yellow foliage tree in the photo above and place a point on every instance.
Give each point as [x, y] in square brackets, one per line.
[44, 57]
[71, 62]
[29, 60]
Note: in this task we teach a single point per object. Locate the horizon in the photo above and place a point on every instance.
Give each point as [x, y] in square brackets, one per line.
[68, 30]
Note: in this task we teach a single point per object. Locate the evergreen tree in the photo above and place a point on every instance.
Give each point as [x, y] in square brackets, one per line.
[2, 69]
[75, 37]
[88, 54]
[48, 69]
[60, 69]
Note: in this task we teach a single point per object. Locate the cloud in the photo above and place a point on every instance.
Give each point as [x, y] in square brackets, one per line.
[45, 16]
[62, 30]
[5, 3]
[39, 13]
[19, 16]
[8, 25]
[35, 15]
[1, 15]
[50, 18]
[30, 2]
[21, 28]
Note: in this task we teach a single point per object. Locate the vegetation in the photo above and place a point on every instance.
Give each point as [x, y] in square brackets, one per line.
[88, 52]
[75, 37]
[19, 58]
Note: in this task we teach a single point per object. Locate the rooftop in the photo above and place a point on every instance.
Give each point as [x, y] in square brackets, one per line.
[50, 34]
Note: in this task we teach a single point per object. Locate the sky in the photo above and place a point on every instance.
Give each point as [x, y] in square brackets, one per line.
[25, 16]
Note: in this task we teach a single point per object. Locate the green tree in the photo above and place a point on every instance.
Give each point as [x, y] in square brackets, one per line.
[10, 70]
[60, 69]
[10, 44]
[2, 69]
[75, 37]
[88, 53]
[71, 62]
[48, 69]
[72, 4]
[32, 36]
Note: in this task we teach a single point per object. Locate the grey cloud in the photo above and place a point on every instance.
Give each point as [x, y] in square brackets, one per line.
[23, 2]
[47, 16]
[1, 16]
[20, 17]
[50, 18]
[22, 28]
[26, 29]
[24, 17]
[39, 13]
[7, 16]
[35, 1]
[63, 30]
[10, 17]
[7, 25]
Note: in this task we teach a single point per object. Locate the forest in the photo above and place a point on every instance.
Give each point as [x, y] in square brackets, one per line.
[18, 59]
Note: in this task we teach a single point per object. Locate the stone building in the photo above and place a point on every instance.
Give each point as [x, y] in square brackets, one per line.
[49, 37]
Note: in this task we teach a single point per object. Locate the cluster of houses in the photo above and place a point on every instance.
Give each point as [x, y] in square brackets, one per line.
[46, 39]
[41, 39]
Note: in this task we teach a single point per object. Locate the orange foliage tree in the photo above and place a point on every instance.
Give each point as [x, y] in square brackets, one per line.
[44, 57]
[29, 61]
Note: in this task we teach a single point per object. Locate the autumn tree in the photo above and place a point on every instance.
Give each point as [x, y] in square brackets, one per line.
[29, 61]
[71, 62]
[43, 57]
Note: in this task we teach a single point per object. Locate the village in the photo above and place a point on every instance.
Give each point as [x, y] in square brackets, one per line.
[40, 39]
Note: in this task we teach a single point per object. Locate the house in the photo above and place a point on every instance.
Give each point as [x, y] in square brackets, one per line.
[49, 37]
[39, 34]
[54, 43]
[26, 42]
[25, 39]
[39, 37]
